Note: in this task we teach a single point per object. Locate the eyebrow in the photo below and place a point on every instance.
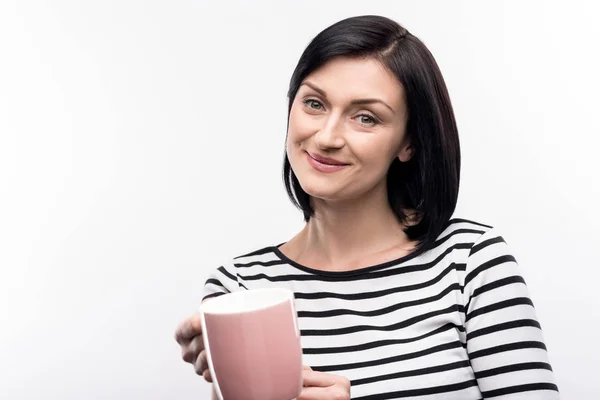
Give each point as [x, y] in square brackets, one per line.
[354, 102]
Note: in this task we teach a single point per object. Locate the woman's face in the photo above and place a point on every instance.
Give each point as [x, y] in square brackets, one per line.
[346, 126]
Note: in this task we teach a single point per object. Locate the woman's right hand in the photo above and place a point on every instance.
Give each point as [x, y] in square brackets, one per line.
[189, 337]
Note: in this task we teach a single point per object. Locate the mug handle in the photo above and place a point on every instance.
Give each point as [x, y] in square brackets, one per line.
[216, 388]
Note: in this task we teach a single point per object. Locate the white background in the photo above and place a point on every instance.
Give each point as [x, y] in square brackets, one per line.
[141, 145]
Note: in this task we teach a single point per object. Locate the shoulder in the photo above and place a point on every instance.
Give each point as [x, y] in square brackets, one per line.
[257, 253]
[462, 233]
[468, 237]
[227, 277]
[467, 224]
[478, 246]
[261, 256]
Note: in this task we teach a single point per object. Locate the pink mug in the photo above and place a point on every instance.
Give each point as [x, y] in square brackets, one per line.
[252, 344]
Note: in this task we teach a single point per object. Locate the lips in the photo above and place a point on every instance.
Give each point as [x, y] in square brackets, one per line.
[324, 164]
[326, 160]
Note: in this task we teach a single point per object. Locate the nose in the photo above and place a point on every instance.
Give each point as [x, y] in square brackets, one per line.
[331, 136]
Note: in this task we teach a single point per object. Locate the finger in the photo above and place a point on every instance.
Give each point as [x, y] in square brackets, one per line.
[191, 350]
[319, 393]
[187, 354]
[307, 368]
[207, 376]
[201, 365]
[188, 329]
[312, 378]
[197, 344]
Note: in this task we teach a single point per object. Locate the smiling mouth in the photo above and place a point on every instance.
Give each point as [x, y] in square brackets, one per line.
[324, 165]
[326, 161]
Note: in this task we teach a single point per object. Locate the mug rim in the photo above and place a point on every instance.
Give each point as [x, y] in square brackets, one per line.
[212, 307]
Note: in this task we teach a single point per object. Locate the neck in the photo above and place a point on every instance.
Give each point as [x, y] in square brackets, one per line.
[347, 234]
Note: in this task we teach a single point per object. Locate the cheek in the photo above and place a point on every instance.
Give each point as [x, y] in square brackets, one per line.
[296, 133]
[375, 153]
[301, 125]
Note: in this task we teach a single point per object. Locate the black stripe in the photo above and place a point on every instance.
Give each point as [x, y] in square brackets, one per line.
[507, 347]
[503, 327]
[487, 265]
[379, 343]
[494, 285]
[259, 252]
[263, 263]
[486, 243]
[213, 281]
[520, 389]
[377, 293]
[226, 273]
[461, 220]
[385, 328]
[401, 357]
[512, 368]
[381, 311]
[362, 276]
[414, 372]
[348, 275]
[242, 285]
[500, 305]
[272, 249]
[211, 295]
[440, 241]
[419, 392]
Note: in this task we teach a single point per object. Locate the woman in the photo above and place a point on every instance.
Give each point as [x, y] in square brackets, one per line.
[395, 299]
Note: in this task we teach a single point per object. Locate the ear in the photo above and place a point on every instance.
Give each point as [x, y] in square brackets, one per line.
[406, 152]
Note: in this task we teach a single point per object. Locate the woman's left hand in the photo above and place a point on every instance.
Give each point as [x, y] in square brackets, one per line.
[322, 386]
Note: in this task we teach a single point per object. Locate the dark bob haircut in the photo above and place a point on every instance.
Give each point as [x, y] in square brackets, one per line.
[428, 183]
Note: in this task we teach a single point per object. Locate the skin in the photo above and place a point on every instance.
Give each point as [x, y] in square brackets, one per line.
[353, 226]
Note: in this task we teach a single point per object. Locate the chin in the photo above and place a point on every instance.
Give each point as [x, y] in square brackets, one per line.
[323, 190]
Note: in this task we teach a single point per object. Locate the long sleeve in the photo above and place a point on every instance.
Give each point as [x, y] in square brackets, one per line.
[504, 339]
[221, 281]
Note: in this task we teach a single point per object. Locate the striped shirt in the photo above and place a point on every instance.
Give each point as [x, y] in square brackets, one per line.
[453, 321]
